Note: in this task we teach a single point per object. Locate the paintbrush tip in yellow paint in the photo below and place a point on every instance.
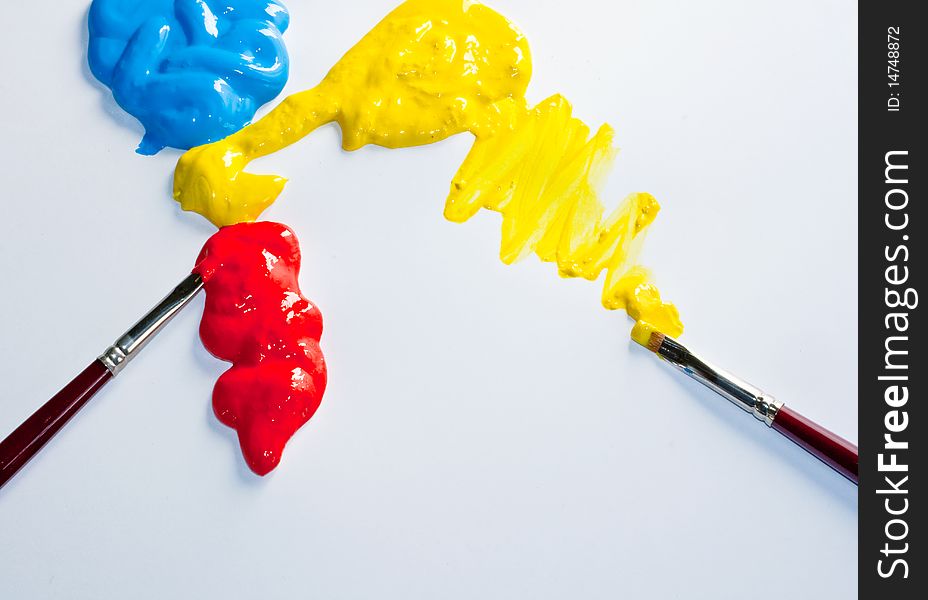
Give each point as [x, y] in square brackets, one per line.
[646, 335]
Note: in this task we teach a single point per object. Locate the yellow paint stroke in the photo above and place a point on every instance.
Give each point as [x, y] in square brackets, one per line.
[429, 70]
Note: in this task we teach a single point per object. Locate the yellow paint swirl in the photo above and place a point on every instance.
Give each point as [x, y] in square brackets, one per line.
[429, 70]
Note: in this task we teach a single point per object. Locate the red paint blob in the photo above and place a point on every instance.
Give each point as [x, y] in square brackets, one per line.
[256, 318]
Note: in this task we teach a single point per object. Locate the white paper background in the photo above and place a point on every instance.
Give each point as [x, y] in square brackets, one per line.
[488, 431]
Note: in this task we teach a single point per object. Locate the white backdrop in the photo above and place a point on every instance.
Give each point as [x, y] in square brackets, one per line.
[488, 431]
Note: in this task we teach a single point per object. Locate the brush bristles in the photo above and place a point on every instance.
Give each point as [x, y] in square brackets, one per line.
[655, 341]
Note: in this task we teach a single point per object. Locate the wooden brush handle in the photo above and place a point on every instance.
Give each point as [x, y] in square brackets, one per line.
[28, 438]
[830, 448]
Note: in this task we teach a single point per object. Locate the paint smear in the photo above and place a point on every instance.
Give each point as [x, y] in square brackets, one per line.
[257, 318]
[191, 71]
[429, 70]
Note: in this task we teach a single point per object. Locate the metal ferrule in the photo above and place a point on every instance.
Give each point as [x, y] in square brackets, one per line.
[763, 406]
[126, 347]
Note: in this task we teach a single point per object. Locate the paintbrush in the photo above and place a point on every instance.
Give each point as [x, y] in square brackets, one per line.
[27, 439]
[830, 448]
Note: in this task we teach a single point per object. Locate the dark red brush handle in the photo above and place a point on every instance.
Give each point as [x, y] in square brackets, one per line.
[830, 448]
[28, 438]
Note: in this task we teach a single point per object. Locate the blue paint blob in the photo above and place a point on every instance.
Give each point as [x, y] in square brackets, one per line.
[192, 71]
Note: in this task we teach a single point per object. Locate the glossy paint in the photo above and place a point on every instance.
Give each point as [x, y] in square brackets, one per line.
[429, 70]
[191, 71]
[257, 319]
